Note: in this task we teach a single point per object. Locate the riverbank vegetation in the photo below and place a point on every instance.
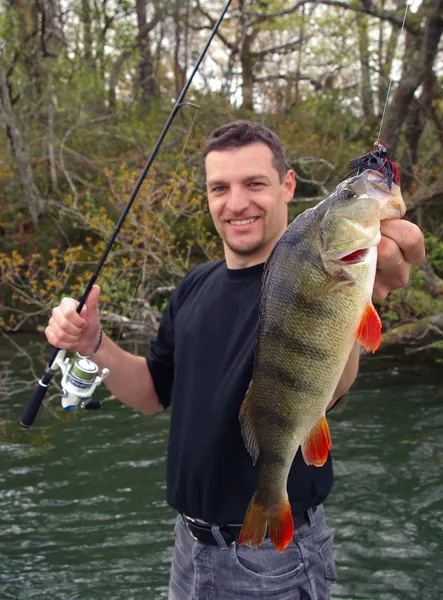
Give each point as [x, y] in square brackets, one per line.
[86, 87]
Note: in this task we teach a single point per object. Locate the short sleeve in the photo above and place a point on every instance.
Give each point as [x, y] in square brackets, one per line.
[160, 356]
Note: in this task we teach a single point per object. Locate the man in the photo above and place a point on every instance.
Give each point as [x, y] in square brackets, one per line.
[201, 363]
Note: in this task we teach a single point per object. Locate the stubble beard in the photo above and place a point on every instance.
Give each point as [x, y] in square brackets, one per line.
[248, 250]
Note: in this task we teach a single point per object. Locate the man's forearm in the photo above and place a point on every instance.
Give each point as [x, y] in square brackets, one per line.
[129, 379]
[348, 376]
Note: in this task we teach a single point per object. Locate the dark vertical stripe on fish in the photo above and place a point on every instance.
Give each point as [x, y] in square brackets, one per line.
[284, 292]
[269, 414]
[295, 345]
[277, 374]
[272, 458]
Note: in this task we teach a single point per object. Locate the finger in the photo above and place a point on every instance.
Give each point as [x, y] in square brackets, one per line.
[68, 313]
[66, 318]
[408, 238]
[392, 268]
[380, 292]
[59, 338]
[59, 325]
[92, 300]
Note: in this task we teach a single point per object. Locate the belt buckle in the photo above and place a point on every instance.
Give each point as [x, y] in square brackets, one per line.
[186, 521]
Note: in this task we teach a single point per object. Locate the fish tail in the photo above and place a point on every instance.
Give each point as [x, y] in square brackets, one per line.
[277, 517]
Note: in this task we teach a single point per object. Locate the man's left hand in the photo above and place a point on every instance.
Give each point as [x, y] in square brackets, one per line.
[401, 247]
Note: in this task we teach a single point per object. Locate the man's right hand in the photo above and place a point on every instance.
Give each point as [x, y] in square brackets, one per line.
[72, 331]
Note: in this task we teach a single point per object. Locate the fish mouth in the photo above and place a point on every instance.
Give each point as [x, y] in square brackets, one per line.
[357, 256]
[354, 258]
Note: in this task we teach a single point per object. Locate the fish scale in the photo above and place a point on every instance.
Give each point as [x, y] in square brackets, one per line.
[315, 302]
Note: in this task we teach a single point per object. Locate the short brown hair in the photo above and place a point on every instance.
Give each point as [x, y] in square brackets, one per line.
[238, 134]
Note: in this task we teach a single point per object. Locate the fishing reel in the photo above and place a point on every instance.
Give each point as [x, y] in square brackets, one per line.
[79, 381]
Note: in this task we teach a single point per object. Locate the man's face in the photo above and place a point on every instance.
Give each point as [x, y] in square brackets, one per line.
[248, 203]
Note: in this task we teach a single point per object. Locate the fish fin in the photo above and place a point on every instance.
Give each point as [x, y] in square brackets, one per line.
[247, 426]
[315, 447]
[279, 518]
[369, 329]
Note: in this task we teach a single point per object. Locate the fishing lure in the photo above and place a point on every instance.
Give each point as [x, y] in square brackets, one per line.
[377, 160]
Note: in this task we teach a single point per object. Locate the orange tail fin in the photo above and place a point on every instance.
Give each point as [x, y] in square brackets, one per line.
[279, 519]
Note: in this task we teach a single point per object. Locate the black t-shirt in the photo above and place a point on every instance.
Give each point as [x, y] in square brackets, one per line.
[201, 362]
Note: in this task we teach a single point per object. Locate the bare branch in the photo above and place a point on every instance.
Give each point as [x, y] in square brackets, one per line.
[369, 10]
[277, 49]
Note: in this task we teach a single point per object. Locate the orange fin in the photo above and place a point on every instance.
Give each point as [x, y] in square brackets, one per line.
[369, 330]
[315, 447]
[279, 518]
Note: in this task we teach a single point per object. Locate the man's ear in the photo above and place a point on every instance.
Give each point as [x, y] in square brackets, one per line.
[290, 185]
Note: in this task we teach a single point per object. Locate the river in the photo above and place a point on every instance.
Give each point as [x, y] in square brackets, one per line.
[83, 514]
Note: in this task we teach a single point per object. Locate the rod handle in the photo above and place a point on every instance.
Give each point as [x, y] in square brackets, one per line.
[36, 401]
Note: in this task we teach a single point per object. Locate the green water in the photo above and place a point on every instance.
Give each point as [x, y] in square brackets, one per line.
[83, 515]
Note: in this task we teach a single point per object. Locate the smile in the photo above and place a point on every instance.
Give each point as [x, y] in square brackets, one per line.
[238, 222]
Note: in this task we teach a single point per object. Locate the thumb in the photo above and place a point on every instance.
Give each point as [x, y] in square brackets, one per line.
[92, 300]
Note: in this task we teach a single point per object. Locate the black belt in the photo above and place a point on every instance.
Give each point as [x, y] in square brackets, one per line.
[230, 533]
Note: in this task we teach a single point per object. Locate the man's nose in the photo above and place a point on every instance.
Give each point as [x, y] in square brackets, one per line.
[238, 200]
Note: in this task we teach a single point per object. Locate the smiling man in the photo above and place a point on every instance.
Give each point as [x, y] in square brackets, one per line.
[248, 191]
[201, 362]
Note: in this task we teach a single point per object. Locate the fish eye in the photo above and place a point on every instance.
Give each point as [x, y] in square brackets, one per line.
[348, 193]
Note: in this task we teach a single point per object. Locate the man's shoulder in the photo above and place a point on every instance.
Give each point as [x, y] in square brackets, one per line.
[202, 272]
[195, 279]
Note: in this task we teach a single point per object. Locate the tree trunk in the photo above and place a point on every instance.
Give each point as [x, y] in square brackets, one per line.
[179, 75]
[247, 67]
[299, 58]
[113, 80]
[146, 64]
[20, 152]
[420, 111]
[367, 101]
[87, 33]
[414, 72]
[51, 136]
[28, 13]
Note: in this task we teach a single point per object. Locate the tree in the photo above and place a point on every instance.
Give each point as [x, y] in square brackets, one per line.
[418, 63]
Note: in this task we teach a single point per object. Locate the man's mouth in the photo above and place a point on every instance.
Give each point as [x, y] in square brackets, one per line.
[240, 222]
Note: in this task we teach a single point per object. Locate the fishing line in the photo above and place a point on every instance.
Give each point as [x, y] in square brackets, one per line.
[393, 62]
[377, 160]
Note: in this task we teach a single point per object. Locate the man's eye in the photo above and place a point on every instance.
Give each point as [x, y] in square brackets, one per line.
[256, 184]
[219, 188]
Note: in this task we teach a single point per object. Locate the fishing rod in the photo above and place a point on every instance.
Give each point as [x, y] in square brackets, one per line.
[81, 377]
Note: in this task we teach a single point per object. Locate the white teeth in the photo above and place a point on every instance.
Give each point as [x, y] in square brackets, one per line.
[243, 221]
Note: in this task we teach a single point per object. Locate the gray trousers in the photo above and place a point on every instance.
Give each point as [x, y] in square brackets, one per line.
[303, 571]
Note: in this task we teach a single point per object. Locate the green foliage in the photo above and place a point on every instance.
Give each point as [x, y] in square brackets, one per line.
[101, 150]
[434, 252]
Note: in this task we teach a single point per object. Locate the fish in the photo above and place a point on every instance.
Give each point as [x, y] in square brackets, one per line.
[315, 302]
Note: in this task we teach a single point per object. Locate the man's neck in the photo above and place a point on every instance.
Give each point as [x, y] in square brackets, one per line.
[238, 261]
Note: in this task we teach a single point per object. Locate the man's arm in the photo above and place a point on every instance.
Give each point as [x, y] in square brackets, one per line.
[401, 247]
[349, 375]
[129, 379]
